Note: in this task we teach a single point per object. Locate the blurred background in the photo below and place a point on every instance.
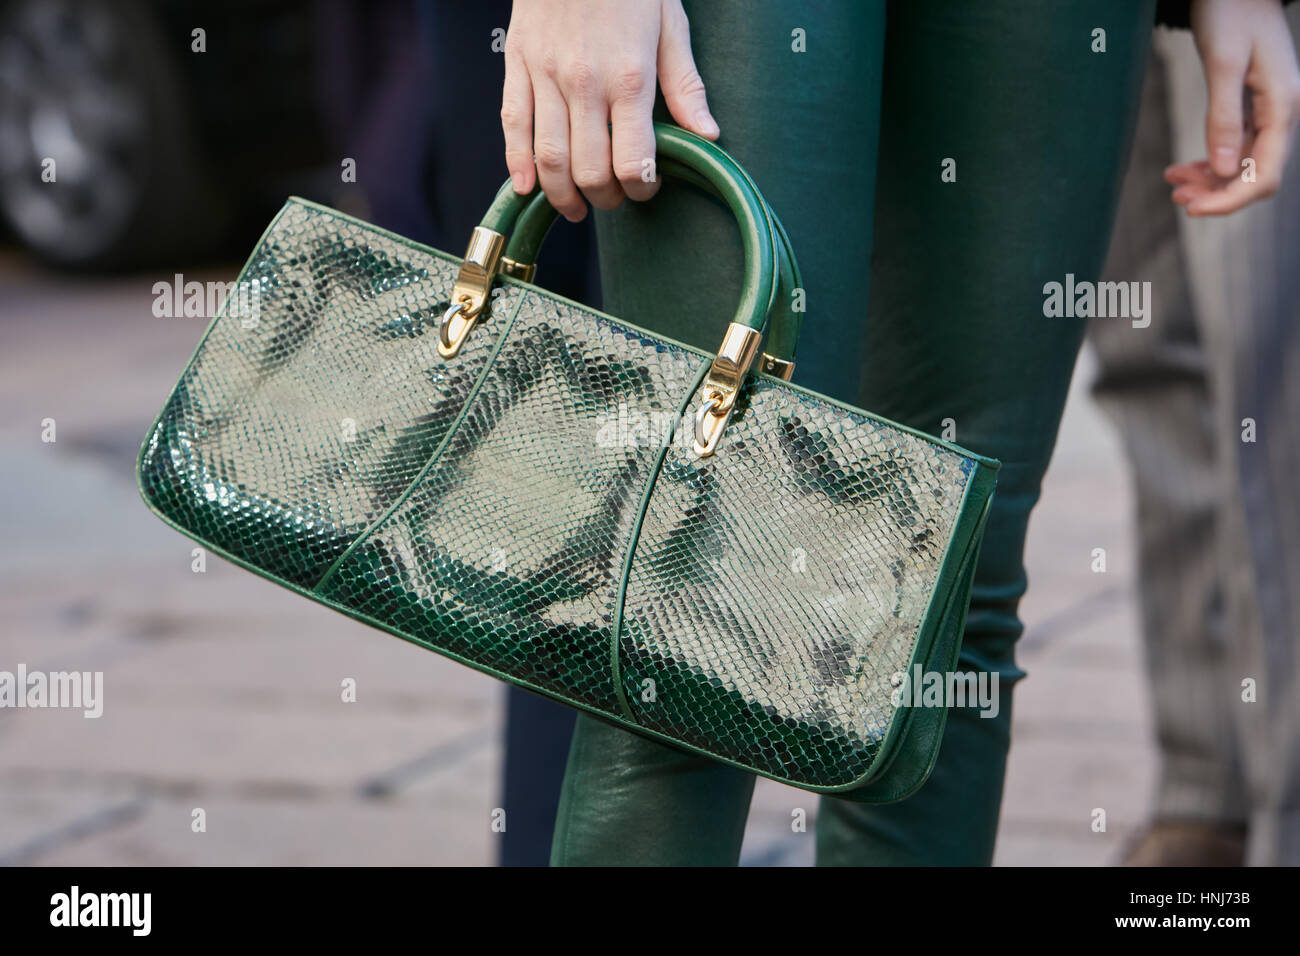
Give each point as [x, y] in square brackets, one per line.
[222, 692]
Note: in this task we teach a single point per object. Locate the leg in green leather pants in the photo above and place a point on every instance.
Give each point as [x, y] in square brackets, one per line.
[1038, 125]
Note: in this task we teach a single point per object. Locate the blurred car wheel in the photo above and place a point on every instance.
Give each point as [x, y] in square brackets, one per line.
[98, 162]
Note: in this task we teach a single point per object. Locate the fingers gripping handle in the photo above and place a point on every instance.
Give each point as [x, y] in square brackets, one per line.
[769, 278]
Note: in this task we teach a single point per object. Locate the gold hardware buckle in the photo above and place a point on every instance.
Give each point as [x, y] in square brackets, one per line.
[455, 328]
[469, 294]
[722, 384]
[779, 368]
[524, 271]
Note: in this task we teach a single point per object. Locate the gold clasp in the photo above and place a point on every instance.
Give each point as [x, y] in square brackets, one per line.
[778, 368]
[469, 295]
[722, 384]
[524, 271]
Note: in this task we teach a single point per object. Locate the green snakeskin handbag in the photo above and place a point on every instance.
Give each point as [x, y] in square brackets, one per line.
[685, 544]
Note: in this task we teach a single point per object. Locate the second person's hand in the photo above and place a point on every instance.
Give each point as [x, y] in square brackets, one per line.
[1247, 51]
[579, 91]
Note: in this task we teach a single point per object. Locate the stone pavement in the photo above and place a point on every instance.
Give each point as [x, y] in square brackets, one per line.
[223, 692]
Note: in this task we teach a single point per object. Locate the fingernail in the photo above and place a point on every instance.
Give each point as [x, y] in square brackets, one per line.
[706, 124]
[518, 180]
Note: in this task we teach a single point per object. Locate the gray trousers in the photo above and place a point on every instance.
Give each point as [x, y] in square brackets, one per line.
[1218, 514]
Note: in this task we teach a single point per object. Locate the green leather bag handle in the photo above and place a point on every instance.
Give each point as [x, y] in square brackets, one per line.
[539, 216]
[730, 183]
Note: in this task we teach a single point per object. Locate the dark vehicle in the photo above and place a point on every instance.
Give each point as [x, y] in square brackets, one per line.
[127, 137]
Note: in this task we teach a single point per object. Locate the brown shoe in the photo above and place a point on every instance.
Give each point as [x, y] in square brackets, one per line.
[1187, 843]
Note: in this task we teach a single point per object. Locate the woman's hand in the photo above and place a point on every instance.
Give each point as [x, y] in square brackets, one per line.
[1246, 49]
[573, 68]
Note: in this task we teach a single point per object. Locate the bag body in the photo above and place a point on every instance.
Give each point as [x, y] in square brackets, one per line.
[533, 506]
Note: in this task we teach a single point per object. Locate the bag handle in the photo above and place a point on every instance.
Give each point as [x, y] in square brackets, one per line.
[778, 357]
[740, 344]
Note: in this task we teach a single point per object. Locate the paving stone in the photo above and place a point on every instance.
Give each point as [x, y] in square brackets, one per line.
[290, 832]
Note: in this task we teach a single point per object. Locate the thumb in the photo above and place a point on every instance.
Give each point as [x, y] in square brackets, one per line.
[679, 79]
[1223, 120]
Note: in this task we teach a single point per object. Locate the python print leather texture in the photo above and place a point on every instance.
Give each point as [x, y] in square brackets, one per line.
[528, 508]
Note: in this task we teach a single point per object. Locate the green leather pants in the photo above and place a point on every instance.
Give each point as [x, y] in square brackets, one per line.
[924, 304]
